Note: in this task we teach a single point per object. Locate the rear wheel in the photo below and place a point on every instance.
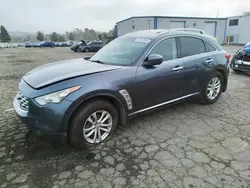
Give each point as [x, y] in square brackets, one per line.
[92, 124]
[86, 50]
[212, 89]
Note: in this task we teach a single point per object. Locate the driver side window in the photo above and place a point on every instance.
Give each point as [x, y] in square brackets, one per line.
[167, 48]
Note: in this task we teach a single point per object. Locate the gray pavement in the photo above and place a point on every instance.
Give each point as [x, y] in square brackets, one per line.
[188, 145]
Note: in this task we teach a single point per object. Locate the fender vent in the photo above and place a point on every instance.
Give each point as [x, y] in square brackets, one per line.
[127, 98]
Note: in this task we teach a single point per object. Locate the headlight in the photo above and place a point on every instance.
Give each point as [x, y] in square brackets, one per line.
[56, 97]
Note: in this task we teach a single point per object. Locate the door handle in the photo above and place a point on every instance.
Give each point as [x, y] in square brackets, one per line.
[209, 60]
[177, 68]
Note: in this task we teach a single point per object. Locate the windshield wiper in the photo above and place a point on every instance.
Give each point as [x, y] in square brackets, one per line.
[98, 61]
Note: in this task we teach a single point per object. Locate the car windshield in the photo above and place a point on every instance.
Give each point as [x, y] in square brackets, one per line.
[121, 51]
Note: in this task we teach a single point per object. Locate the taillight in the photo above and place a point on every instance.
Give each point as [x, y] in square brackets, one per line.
[228, 56]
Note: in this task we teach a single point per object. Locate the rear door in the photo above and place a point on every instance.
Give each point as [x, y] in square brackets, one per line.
[197, 62]
[94, 46]
[100, 45]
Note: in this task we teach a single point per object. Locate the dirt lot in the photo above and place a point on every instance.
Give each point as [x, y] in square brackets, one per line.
[188, 145]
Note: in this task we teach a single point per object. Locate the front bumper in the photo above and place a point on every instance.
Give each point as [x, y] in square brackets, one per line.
[49, 119]
[241, 66]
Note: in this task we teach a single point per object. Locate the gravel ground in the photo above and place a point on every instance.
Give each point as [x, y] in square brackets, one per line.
[188, 145]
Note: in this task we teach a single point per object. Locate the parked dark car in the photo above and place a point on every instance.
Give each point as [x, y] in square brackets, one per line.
[241, 60]
[86, 99]
[47, 44]
[77, 46]
[92, 46]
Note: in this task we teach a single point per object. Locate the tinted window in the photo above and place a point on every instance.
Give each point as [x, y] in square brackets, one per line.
[233, 22]
[209, 47]
[191, 46]
[166, 48]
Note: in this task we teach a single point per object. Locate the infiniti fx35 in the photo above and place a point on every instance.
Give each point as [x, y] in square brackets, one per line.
[86, 99]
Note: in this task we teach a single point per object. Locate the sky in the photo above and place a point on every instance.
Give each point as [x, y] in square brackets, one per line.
[65, 15]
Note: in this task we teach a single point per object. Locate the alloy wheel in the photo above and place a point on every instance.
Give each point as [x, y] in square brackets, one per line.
[213, 88]
[97, 126]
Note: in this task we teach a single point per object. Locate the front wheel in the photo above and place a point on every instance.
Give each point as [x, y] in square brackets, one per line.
[92, 124]
[212, 89]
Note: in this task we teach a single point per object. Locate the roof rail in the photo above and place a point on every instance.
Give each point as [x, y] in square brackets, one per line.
[190, 30]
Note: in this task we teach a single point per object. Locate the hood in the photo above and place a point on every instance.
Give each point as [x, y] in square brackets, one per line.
[54, 72]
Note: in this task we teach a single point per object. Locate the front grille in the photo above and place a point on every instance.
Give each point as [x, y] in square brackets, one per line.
[245, 67]
[246, 58]
[23, 101]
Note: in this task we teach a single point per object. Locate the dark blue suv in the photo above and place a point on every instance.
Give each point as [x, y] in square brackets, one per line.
[86, 99]
[48, 44]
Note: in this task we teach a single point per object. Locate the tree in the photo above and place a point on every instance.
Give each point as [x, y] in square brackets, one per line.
[61, 38]
[40, 36]
[71, 36]
[54, 37]
[5, 37]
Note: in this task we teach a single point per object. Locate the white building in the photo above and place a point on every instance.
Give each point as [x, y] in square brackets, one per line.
[238, 29]
[212, 26]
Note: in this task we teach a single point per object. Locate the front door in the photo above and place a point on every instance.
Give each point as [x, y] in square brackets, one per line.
[160, 83]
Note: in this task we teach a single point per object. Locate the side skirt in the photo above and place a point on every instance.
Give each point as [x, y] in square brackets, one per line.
[162, 104]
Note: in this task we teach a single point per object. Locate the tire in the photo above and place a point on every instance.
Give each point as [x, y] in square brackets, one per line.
[81, 121]
[79, 50]
[206, 97]
[86, 50]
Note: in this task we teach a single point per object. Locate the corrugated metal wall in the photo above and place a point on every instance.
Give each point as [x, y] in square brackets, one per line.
[143, 23]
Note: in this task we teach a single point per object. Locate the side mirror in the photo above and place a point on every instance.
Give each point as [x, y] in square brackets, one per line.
[153, 59]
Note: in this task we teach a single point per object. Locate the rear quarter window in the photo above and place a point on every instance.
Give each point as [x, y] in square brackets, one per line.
[191, 46]
[209, 47]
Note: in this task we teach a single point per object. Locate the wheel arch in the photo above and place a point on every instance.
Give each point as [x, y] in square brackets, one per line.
[225, 76]
[118, 104]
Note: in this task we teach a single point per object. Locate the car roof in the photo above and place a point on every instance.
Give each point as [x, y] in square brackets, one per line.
[155, 33]
[162, 33]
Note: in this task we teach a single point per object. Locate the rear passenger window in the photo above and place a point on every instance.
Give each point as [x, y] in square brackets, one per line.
[166, 48]
[191, 46]
[209, 47]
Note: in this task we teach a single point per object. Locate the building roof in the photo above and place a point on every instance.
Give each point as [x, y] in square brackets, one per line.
[177, 17]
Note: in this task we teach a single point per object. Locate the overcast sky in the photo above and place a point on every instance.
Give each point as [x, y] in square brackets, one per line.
[101, 15]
